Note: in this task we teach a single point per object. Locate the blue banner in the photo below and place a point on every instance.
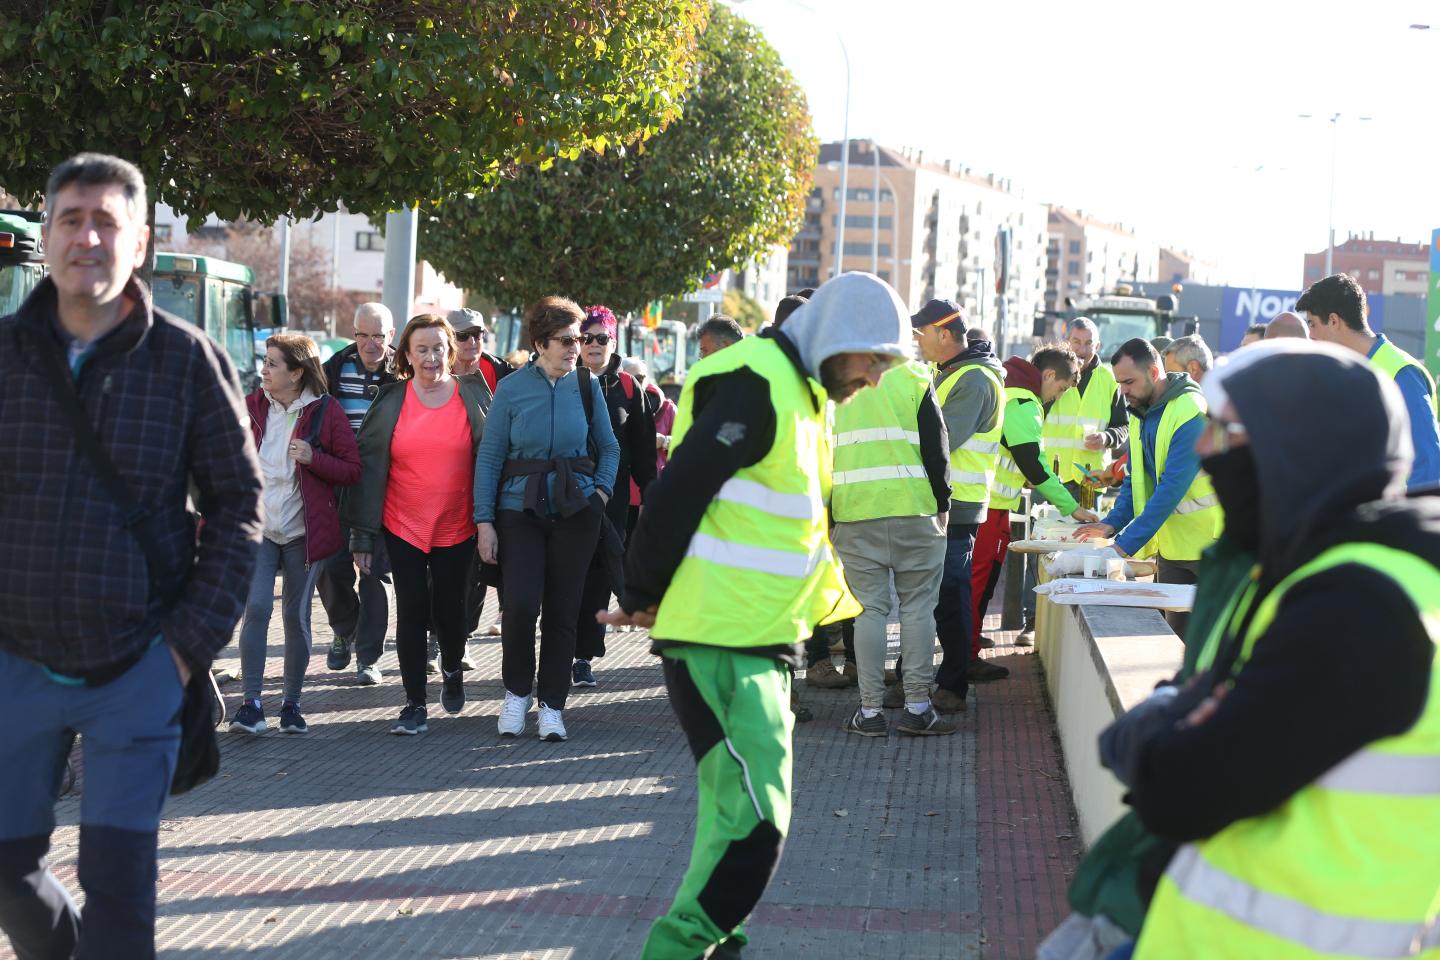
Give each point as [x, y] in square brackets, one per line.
[1240, 307]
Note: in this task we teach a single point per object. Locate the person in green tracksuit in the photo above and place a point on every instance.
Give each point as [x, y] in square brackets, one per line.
[731, 569]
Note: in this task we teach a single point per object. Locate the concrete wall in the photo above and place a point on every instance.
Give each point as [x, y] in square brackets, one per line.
[1099, 662]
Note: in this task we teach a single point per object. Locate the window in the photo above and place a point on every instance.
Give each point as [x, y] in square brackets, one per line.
[863, 195]
[1072, 268]
[863, 249]
[1075, 246]
[1373, 274]
[162, 233]
[861, 221]
[369, 240]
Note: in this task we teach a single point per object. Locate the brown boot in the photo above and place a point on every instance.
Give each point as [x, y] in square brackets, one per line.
[894, 696]
[802, 712]
[852, 674]
[947, 701]
[826, 677]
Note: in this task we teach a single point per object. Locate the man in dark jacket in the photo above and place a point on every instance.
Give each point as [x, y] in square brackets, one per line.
[1241, 754]
[635, 430]
[93, 638]
[359, 619]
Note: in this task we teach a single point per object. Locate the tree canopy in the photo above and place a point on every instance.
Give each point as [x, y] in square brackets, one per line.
[257, 108]
[716, 189]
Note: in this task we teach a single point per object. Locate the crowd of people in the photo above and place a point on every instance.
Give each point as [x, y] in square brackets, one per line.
[850, 464]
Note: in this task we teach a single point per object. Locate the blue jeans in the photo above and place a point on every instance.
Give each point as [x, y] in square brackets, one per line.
[952, 610]
[298, 586]
[130, 730]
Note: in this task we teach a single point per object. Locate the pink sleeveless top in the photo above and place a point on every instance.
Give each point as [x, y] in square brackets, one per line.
[430, 500]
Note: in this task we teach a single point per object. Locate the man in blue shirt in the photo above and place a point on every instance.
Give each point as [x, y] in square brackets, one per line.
[1336, 311]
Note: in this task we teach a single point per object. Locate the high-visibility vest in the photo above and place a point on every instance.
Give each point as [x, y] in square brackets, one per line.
[974, 462]
[1022, 425]
[759, 570]
[1197, 519]
[1074, 416]
[878, 468]
[1347, 867]
[1390, 359]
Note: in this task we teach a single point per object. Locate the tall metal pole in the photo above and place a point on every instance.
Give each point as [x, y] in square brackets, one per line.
[875, 214]
[283, 287]
[398, 292]
[1330, 246]
[844, 165]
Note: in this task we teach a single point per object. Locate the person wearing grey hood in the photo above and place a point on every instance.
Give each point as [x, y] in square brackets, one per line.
[1302, 791]
[732, 568]
[1166, 506]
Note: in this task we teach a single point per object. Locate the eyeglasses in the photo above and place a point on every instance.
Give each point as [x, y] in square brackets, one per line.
[566, 342]
[1224, 433]
[474, 333]
[372, 337]
[601, 338]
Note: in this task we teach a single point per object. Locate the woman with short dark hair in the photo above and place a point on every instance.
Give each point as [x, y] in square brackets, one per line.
[306, 450]
[542, 477]
[418, 443]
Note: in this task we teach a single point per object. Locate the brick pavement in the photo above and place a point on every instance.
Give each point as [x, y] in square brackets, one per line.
[350, 843]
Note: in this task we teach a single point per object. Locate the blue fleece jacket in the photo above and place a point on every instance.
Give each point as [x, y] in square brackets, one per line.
[533, 419]
[1181, 465]
[1424, 431]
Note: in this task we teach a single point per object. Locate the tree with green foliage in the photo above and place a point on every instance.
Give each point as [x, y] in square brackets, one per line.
[715, 190]
[257, 108]
[744, 309]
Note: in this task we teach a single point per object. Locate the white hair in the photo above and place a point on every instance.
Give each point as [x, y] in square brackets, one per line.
[379, 311]
[1186, 349]
[1084, 323]
[635, 367]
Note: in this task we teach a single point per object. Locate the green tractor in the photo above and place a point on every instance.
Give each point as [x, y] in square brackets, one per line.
[22, 257]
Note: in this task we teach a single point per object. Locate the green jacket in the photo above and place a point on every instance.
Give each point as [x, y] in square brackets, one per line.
[362, 505]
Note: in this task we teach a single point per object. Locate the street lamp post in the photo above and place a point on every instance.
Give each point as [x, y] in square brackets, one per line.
[1334, 148]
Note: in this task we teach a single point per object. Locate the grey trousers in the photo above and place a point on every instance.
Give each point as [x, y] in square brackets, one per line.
[912, 549]
[364, 617]
[298, 580]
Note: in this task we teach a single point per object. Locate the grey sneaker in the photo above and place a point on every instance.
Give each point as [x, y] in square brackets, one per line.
[927, 724]
[452, 693]
[339, 656]
[411, 722]
[368, 674]
[866, 726]
[432, 655]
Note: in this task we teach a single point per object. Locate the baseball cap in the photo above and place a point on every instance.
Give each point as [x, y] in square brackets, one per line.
[465, 318]
[941, 313]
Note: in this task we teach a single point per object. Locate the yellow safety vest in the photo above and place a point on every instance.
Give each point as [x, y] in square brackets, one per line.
[760, 570]
[878, 469]
[1009, 481]
[973, 463]
[1347, 867]
[1197, 519]
[1075, 415]
[1390, 359]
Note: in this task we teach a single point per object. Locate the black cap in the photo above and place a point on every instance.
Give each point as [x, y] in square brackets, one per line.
[943, 313]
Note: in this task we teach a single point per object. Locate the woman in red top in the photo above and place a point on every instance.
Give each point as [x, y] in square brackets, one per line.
[417, 445]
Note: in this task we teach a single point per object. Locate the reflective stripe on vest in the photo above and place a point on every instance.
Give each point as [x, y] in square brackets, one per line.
[1072, 417]
[1195, 523]
[758, 570]
[973, 463]
[1346, 867]
[878, 466]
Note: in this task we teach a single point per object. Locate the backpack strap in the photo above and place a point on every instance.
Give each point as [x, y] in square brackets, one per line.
[317, 421]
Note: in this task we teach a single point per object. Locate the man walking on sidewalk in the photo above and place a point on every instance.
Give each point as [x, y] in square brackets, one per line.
[359, 619]
[106, 609]
[732, 569]
[1167, 508]
[890, 500]
[969, 386]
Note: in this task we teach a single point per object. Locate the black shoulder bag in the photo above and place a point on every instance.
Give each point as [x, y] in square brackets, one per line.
[612, 542]
[199, 757]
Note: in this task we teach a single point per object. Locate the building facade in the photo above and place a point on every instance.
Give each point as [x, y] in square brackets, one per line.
[1086, 256]
[930, 230]
[1181, 266]
[1380, 266]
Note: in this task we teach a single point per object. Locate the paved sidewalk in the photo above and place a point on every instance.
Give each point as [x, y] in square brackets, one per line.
[350, 843]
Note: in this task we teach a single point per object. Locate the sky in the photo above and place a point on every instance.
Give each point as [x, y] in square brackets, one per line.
[1181, 120]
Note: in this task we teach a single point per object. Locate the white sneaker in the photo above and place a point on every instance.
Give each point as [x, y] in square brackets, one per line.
[552, 727]
[512, 715]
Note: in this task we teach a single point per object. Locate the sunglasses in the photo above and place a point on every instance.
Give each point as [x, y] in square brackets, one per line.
[566, 342]
[601, 338]
[474, 334]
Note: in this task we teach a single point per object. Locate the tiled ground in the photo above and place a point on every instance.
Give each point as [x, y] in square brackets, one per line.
[350, 843]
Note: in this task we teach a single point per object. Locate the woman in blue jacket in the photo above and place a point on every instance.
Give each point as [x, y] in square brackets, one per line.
[543, 475]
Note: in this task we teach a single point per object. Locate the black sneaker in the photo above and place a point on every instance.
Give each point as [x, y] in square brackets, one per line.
[452, 691]
[248, 719]
[983, 671]
[581, 675]
[290, 719]
[866, 726]
[432, 655]
[927, 724]
[411, 722]
[339, 656]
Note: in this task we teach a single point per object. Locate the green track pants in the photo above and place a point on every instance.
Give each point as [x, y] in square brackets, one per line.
[735, 710]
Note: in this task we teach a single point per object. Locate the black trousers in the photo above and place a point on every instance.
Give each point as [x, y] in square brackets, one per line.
[429, 588]
[817, 648]
[1177, 571]
[590, 635]
[542, 563]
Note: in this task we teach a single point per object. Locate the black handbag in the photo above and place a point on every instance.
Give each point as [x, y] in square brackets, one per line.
[199, 757]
